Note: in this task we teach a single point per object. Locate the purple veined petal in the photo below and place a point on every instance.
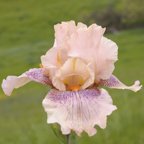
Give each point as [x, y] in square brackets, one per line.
[78, 110]
[113, 82]
[35, 74]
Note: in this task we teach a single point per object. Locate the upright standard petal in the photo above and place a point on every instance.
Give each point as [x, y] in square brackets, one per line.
[78, 110]
[49, 60]
[90, 45]
[113, 82]
[34, 74]
[63, 32]
[106, 56]
[84, 42]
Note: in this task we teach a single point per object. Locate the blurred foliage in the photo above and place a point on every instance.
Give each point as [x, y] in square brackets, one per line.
[26, 32]
[132, 11]
[119, 14]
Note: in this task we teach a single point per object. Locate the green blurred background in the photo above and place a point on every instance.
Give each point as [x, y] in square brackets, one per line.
[26, 32]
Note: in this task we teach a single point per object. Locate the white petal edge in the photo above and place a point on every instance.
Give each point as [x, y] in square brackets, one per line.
[12, 82]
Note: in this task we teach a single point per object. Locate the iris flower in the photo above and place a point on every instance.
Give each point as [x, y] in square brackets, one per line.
[78, 65]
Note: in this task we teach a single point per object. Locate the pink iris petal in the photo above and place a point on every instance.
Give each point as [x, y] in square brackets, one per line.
[63, 31]
[106, 56]
[34, 74]
[84, 42]
[113, 82]
[49, 60]
[37, 75]
[90, 45]
[78, 110]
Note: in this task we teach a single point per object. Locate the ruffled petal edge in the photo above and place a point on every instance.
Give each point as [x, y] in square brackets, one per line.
[78, 111]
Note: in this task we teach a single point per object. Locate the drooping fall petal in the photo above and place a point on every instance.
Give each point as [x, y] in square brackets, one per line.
[78, 110]
[34, 74]
[113, 82]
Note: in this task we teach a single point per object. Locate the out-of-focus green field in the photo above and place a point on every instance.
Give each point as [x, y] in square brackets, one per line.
[26, 32]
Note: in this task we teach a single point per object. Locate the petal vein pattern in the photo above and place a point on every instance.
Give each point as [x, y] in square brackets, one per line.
[34, 74]
[78, 111]
[113, 82]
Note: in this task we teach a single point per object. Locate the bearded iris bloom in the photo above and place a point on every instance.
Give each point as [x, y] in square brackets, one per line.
[78, 65]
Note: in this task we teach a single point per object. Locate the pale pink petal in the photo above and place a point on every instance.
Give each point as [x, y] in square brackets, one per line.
[78, 110]
[12, 82]
[77, 69]
[105, 58]
[63, 31]
[113, 82]
[54, 58]
[58, 53]
[81, 25]
[49, 60]
[84, 42]
[90, 45]
[91, 78]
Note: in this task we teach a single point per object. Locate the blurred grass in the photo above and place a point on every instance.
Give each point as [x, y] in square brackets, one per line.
[26, 32]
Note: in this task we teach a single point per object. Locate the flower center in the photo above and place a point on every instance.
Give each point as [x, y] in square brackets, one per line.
[73, 82]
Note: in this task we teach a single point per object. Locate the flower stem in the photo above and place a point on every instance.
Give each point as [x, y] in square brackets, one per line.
[64, 139]
[71, 139]
[68, 139]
